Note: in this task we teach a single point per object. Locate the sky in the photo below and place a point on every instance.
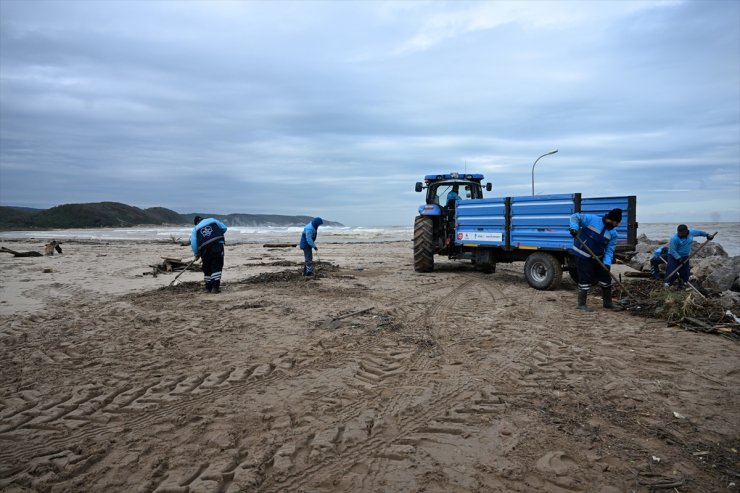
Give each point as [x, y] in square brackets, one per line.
[338, 108]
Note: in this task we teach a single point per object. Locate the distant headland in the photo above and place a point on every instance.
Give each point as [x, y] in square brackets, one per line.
[118, 215]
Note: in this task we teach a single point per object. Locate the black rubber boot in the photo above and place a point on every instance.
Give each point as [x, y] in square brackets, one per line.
[582, 295]
[217, 287]
[606, 294]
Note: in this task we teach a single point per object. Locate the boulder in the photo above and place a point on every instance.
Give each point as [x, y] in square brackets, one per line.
[730, 300]
[645, 244]
[640, 261]
[713, 249]
[717, 274]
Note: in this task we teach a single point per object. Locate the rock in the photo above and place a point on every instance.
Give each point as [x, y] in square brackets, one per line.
[701, 268]
[717, 274]
[730, 300]
[714, 249]
[640, 261]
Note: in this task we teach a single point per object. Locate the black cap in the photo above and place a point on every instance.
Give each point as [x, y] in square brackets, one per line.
[197, 219]
[615, 215]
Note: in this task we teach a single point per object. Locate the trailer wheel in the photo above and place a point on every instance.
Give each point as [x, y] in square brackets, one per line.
[423, 244]
[543, 271]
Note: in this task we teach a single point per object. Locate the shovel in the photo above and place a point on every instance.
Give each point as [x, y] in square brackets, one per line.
[186, 268]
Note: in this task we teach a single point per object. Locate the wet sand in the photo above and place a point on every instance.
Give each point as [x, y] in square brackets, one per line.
[453, 381]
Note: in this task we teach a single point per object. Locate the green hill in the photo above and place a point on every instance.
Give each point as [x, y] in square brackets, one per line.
[94, 215]
[14, 217]
[117, 215]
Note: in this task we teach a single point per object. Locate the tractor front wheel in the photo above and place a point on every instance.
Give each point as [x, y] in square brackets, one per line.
[423, 244]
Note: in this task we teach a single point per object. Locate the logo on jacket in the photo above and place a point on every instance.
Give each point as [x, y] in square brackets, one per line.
[207, 231]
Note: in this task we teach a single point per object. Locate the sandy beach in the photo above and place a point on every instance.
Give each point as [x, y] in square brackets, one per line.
[371, 378]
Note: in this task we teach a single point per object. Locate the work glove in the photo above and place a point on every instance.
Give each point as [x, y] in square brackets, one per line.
[573, 232]
[316, 248]
[196, 258]
[608, 267]
[710, 237]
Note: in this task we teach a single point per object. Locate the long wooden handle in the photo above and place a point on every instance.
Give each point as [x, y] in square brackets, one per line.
[186, 268]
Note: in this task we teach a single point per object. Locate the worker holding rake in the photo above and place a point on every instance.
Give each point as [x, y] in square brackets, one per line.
[207, 242]
[308, 244]
[595, 238]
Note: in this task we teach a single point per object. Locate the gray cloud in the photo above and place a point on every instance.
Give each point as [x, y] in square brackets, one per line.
[337, 109]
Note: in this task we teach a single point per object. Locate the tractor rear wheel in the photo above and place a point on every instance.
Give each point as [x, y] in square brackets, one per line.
[423, 244]
[543, 271]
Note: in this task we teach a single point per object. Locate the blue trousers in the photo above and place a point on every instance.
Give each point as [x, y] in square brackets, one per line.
[307, 261]
[213, 262]
[655, 262]
[589, 271]
[683, 273]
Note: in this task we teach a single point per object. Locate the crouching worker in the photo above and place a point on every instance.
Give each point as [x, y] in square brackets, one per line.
[679, 250]
[660, 256]
[207, 242]
[308, 243]
[599, 234]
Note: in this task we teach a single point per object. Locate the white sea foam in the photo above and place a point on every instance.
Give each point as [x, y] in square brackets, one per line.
[728, 237]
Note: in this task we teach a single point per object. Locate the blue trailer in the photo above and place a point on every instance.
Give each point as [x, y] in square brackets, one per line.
[488, 231]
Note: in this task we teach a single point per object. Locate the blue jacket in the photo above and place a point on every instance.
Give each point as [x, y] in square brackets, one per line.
[681, 247]
[308, 237]
[206, 232]
[595, 235]
[660, 251]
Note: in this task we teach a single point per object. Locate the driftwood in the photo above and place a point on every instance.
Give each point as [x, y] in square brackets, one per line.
[336, 321]
[20, 254]
[170, 264]
[279, 245]
[637, 274]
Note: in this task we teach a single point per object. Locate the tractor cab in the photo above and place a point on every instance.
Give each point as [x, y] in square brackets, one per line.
[444, 190]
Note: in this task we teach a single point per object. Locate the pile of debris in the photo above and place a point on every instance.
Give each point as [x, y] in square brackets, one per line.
[714, 272]
[321, 269]
[684, 308]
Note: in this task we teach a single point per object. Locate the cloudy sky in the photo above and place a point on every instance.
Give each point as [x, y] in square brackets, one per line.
[337, 108]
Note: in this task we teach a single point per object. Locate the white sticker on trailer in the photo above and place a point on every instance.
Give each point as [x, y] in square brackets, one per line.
[474, 236]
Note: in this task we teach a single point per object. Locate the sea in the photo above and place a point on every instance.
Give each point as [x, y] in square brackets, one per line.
[728, 234]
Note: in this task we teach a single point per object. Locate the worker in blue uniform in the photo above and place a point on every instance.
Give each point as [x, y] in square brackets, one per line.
[308, 244]
[660, 256]
[679, 250]
[599, 233]
[453, 196]
[207, 242]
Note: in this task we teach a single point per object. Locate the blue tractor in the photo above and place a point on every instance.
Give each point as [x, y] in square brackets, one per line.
[434, 228]
[458, 222]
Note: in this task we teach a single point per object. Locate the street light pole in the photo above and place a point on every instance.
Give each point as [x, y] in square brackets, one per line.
[535, 163]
